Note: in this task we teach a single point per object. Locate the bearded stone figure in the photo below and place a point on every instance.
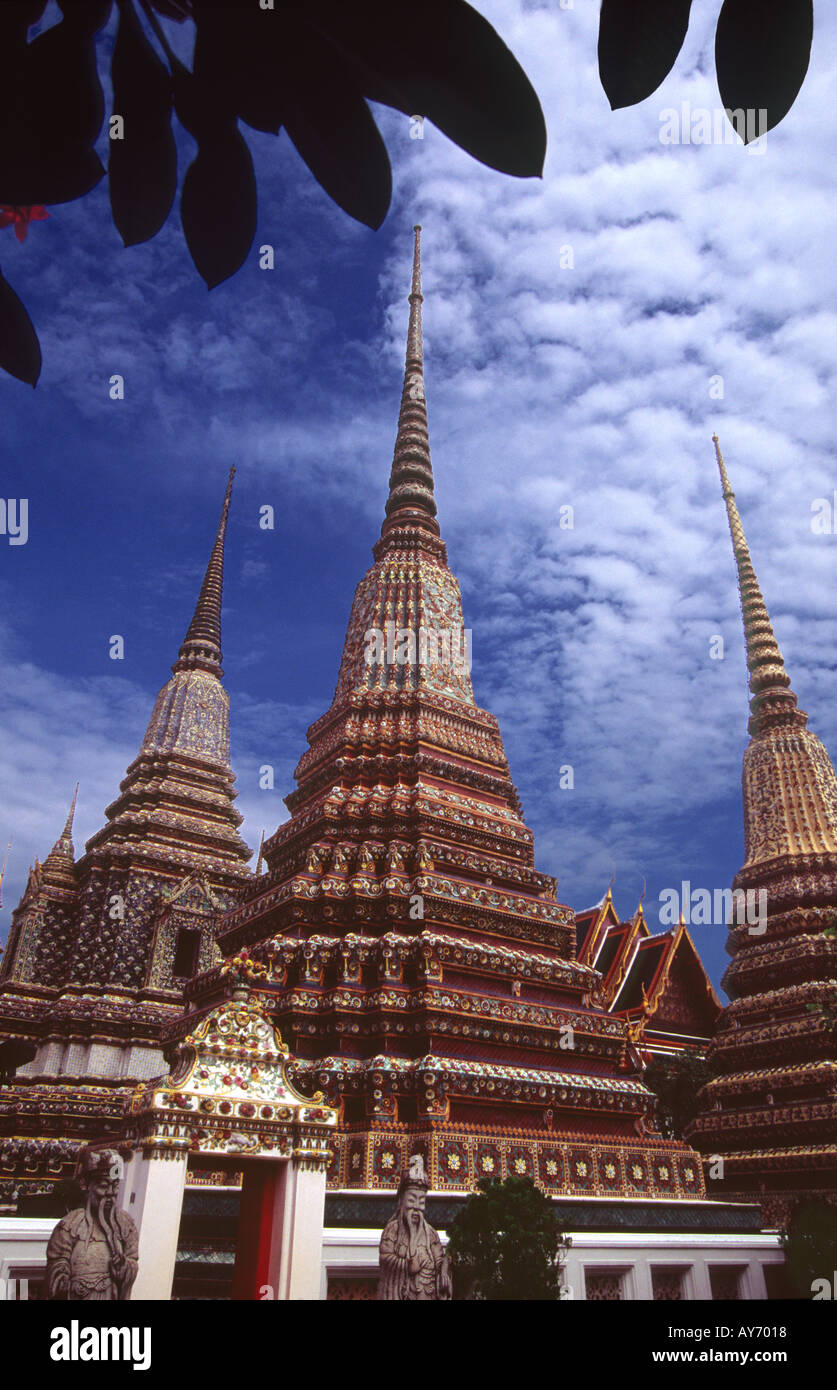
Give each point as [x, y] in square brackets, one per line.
[92, 1253]
[414, 1267]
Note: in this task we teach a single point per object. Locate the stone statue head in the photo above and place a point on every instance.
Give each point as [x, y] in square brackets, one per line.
[412, 1192]
[100, 1171]
[99, 1175]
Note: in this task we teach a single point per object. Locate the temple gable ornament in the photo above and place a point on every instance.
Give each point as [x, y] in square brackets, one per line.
[229, 1091]
[228, 1097]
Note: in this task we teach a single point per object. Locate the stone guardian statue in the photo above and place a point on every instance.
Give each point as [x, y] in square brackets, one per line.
[92, 1252]
[413, 1265]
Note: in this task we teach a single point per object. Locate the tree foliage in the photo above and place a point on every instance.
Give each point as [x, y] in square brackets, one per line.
[310, 68]
[506, 1243]
[810, 1245]
[677, 1082]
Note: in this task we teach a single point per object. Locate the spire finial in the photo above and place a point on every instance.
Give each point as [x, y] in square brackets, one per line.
[411, 502]
[68, 824]
[3, 870]
[202, 643]
[415, 285]
[773, 702]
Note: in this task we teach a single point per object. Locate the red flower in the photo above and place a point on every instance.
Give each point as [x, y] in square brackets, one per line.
[21, 217]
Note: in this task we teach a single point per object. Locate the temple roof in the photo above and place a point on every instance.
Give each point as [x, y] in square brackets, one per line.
[646, 968]
[636, 969]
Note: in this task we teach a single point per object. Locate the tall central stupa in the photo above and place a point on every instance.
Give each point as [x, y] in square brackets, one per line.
[422, 970]
[771, 1113]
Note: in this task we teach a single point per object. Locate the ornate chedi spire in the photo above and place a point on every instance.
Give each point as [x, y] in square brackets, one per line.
[100, 951]
[773, 702]
[790, 790]
[406, 629]
[772, 1113]
[58, 869]
[178, 793]
[411, 502]
[202, 644]
[50, 895]
[420, 966]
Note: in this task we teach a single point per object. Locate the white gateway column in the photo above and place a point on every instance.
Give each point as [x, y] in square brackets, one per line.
[297, 1246]
[153, 1196]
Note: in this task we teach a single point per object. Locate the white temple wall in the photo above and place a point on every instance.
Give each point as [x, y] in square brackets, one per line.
[624, 1264]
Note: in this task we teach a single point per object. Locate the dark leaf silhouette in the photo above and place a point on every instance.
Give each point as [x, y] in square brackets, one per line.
[241, 60]
[218, 204]
[52, 112]
[16, 17]
[330, 123]
[285, 73]
[142, 166]
[203, 109]
[762, 51]
[444, 61]
[218, 207]
[639, 41]
[343, 148]
[20, 351]
[174, 9]
[308, 67]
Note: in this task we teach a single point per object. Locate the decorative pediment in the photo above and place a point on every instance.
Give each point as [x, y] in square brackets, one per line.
[192, 895]
[185, 921]
[228, 1091]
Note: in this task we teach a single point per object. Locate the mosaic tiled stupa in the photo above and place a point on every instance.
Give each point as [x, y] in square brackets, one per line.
[772, 1112]
[423, 971]
[100, 948]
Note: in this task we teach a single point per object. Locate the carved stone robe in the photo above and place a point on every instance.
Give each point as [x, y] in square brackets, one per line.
[79, 1258]
[412, 1262]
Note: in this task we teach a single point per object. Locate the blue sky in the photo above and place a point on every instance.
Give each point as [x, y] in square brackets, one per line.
[586, 386]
